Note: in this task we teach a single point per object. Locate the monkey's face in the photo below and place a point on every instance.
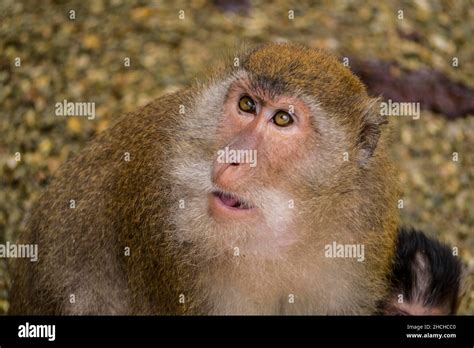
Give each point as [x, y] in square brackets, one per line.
[264, 143]
[263, 136]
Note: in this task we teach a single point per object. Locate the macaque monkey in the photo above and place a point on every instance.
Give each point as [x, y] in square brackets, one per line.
[427, 279]
[265, 190]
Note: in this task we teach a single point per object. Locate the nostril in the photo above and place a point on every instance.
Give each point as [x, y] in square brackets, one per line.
[234, 164]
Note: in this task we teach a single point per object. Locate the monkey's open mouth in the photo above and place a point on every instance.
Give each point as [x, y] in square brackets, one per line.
[232, 201]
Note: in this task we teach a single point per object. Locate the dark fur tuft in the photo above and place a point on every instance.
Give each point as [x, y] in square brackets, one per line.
[426, 271]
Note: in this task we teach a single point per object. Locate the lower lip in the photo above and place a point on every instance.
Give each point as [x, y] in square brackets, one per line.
[218, 206]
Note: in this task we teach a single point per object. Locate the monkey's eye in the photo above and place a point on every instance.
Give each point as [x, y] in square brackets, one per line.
[282, 119]
[247, 104]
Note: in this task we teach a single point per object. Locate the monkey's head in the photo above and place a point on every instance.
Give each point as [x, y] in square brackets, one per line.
[283, 137]
[427, 279]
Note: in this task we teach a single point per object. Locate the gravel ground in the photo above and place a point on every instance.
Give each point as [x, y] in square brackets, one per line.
[82, 59]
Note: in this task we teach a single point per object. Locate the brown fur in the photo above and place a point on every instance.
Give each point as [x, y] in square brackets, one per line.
[184, 251]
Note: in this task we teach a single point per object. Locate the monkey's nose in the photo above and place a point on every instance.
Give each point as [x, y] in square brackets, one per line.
[224, 172]
[229, 175]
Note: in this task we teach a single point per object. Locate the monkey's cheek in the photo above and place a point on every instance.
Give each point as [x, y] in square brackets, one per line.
[222, 212]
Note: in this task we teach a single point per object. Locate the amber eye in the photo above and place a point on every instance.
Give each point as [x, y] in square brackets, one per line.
[247, 104]
[282, 119]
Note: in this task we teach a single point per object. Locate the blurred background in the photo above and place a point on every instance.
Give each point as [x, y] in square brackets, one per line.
[407, 51]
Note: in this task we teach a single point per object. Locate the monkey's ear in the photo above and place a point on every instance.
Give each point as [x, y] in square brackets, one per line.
[370, 130]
